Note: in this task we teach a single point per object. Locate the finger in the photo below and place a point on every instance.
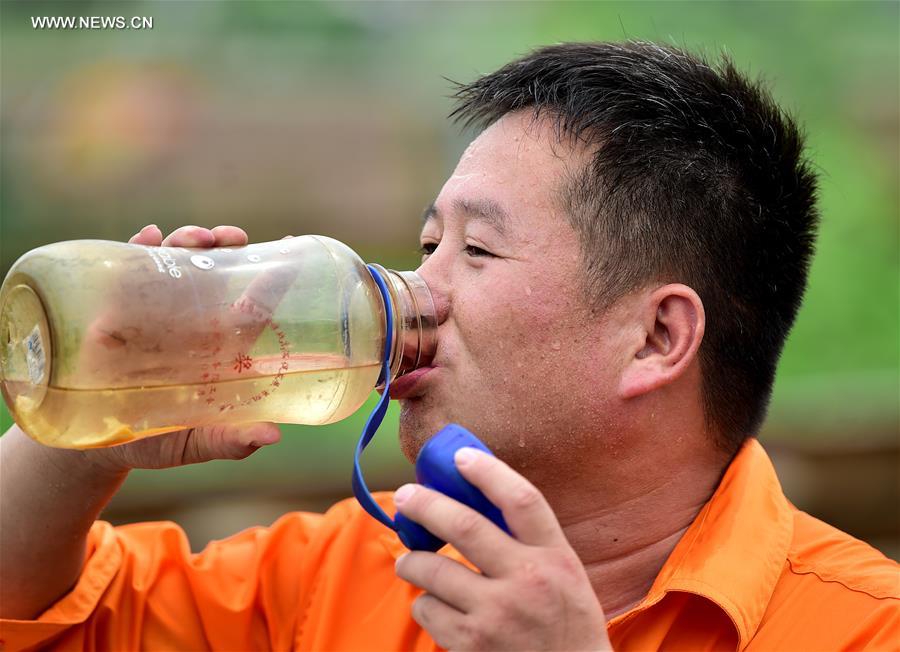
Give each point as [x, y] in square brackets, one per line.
[444, 623]
[190, 236]
[230, 236]
[442, 577]
[150, 235]
[477, 538]
[228, 441]
[263, 294]
[527, 513]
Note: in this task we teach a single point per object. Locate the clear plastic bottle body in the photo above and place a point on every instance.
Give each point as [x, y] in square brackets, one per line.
[102, 342]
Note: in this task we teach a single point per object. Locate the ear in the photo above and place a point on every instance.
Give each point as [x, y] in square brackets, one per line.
[671, 325]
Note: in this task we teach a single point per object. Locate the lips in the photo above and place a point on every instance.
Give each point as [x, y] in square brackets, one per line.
[407, 385]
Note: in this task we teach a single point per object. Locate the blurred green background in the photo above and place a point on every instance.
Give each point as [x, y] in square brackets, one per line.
[313, 117]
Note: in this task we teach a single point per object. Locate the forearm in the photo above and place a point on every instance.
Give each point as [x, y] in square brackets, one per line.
[48, 500]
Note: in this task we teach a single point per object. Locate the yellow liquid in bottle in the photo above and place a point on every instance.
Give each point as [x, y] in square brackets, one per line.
[102, 343]
[84, 418]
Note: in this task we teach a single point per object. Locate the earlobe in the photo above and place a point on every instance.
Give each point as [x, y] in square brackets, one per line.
[672, 328]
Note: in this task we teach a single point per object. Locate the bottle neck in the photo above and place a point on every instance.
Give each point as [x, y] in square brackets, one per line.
[414, 336]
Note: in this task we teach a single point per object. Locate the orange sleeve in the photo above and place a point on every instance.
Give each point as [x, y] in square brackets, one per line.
[142, 588]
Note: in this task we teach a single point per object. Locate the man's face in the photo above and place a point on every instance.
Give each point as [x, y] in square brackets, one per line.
[521, 359]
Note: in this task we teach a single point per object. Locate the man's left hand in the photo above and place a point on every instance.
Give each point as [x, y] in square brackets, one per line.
[532, 593]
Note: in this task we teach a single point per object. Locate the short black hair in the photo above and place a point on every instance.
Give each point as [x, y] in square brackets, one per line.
[696, 176]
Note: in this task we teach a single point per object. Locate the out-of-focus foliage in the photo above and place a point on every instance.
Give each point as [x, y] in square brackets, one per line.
[303, 117]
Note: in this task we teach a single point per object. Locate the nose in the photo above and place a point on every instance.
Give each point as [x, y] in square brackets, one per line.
[438, 282]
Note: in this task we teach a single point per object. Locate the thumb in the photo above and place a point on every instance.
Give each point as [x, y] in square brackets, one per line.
[228, 441]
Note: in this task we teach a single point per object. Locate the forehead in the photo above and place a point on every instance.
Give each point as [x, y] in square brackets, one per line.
[516, 164]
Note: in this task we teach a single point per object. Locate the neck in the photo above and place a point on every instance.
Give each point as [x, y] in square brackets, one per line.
[625, 520]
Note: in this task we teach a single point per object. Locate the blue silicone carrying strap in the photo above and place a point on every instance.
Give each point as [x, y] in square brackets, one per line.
[435, 467]
[360, 490]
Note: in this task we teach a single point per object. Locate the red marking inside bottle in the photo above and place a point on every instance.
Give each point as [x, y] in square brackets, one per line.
[212, 346]
[242, 362]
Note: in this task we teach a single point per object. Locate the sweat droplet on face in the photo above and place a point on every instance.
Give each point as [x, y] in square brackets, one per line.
[527, 290]
[556, 346]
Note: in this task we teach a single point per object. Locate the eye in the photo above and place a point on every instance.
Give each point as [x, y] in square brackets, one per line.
[476, 252]
[428, 248]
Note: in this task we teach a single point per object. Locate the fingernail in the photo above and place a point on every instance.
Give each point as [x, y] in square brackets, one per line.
[148, 227]
[465, 456]
[404, 493]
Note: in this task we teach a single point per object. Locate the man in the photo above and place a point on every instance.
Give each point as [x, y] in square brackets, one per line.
[616, 262]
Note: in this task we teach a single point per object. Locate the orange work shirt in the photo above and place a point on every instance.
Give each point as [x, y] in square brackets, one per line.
[751, 572]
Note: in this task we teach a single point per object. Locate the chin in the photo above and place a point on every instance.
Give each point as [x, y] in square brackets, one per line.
[417, 426]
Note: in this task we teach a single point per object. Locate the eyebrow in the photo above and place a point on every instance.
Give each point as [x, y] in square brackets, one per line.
[486, 210]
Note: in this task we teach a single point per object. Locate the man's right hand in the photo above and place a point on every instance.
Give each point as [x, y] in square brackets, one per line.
[219, 441]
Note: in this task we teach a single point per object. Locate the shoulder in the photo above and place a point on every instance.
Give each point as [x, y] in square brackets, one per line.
[347, 531]
[834, 592]
[348, 513]
[344, 515]
[830, 555]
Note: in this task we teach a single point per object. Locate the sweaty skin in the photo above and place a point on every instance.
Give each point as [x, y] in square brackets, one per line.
[575, 399]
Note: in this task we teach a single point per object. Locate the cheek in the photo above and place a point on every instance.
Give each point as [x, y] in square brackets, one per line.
[515, 327]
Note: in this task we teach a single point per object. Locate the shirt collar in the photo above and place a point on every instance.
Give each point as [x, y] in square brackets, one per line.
[734, 551]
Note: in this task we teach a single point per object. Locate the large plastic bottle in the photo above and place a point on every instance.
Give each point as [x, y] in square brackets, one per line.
[102, 342]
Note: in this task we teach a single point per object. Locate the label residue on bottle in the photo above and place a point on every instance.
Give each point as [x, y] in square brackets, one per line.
[35, 356]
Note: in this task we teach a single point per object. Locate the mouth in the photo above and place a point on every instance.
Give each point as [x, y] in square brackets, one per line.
[409, 385]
